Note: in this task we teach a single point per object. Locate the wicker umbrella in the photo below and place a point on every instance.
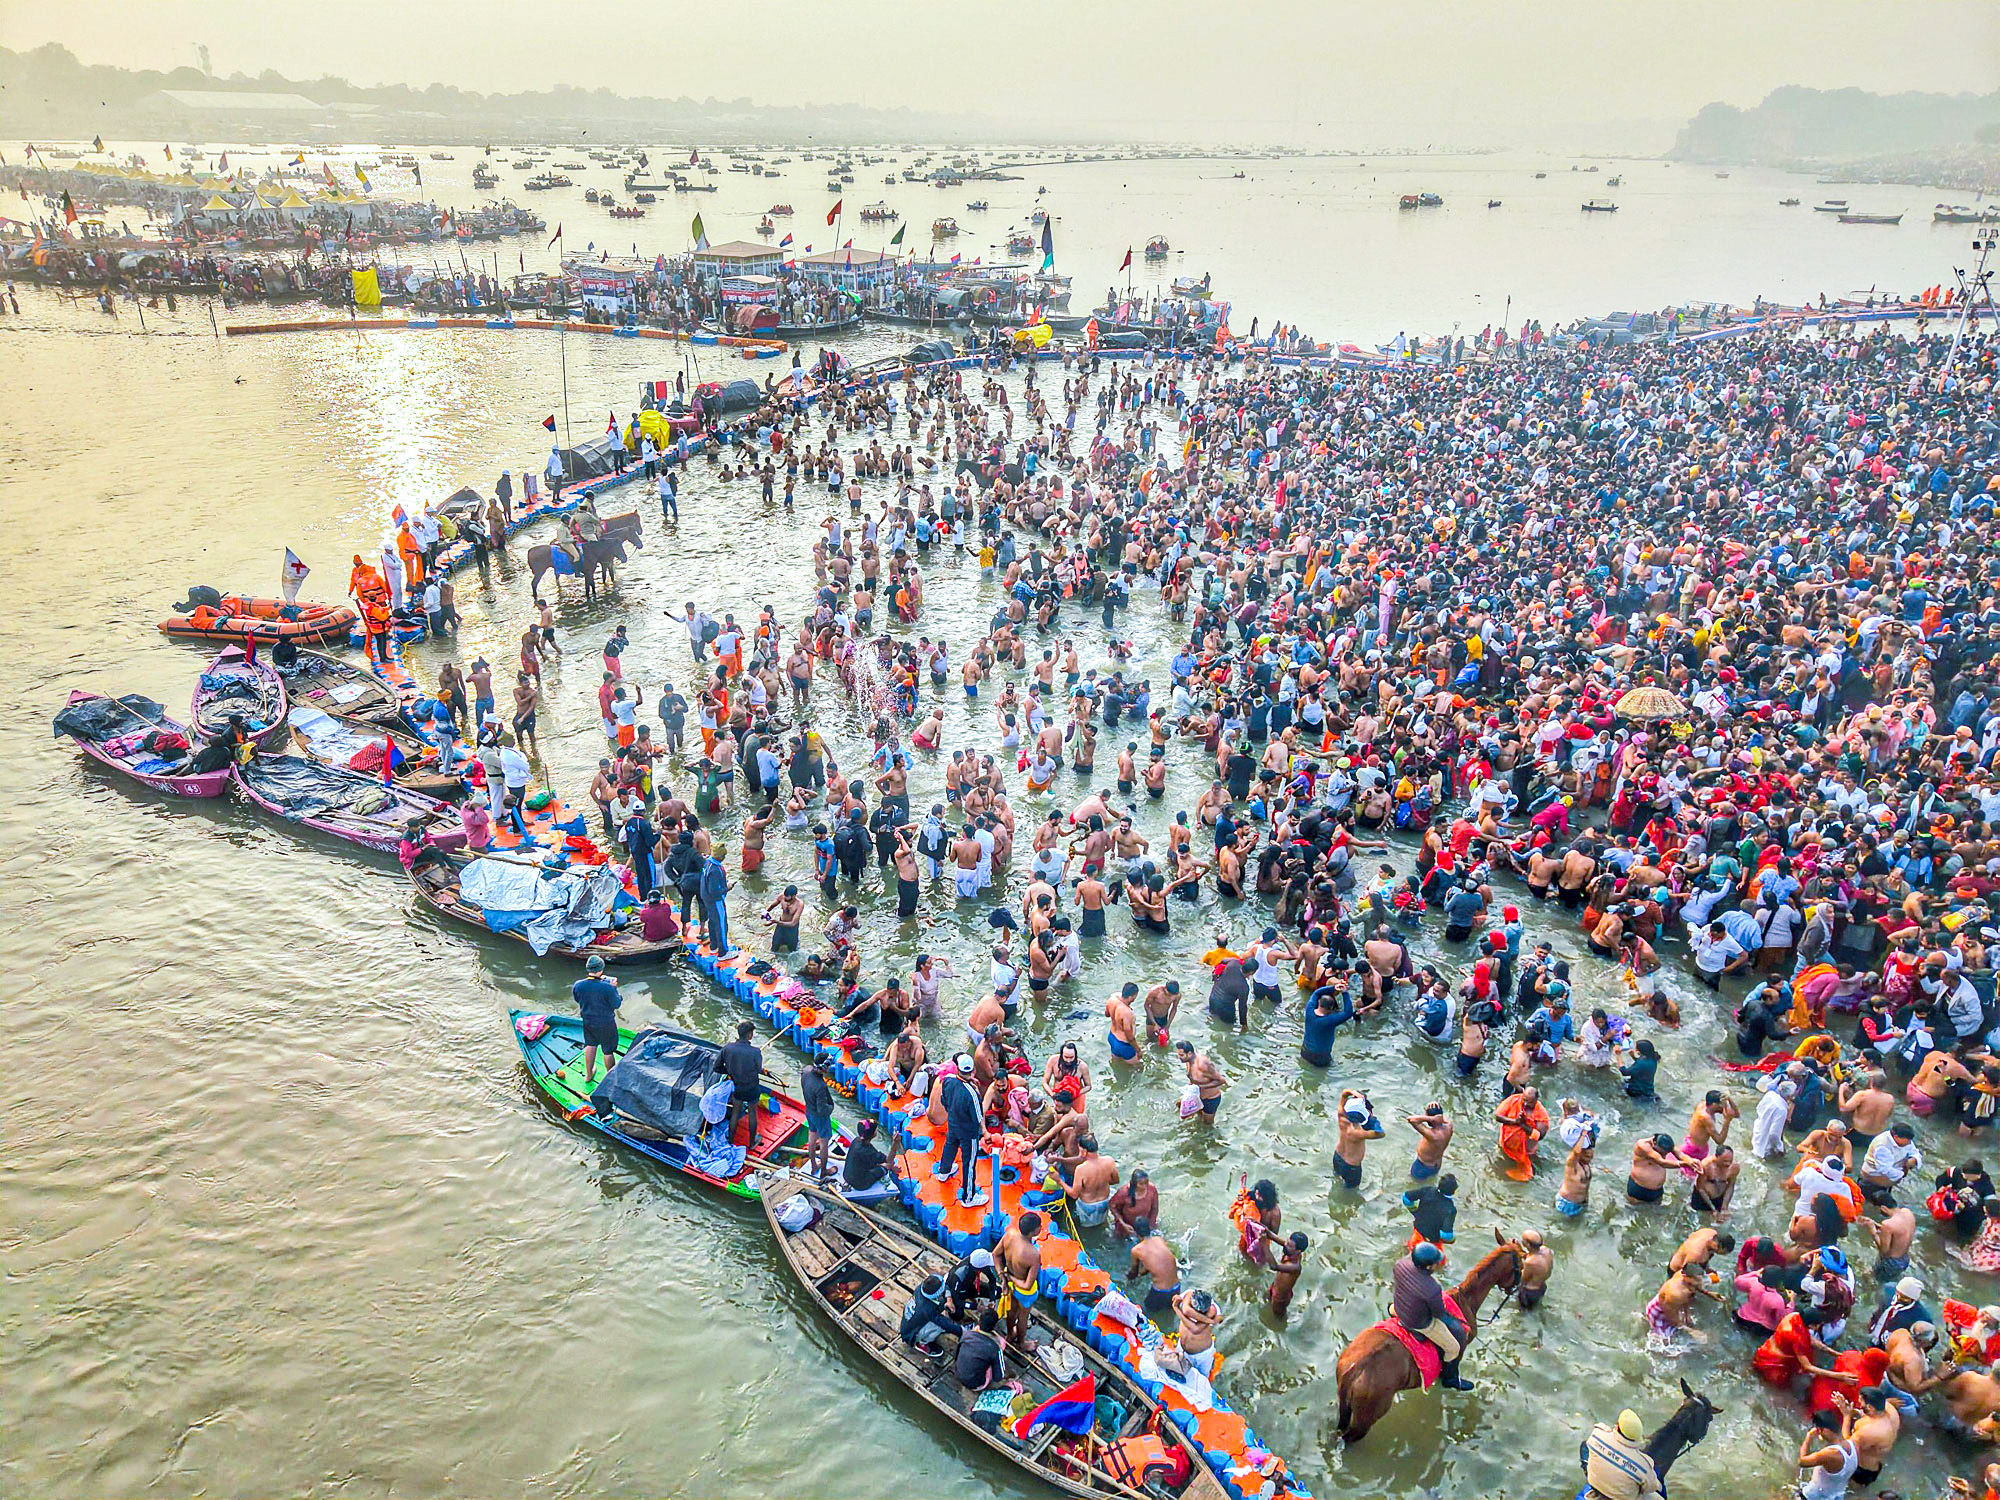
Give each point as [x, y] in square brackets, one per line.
[1650, 702]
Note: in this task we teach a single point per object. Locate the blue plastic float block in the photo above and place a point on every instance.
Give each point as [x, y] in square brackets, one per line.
[422, 323]
[701, 338]
[765, 353]
[507, 323]
[625, 333]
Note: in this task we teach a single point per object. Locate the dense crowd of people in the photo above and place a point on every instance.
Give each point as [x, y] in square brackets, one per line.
[1691, 646]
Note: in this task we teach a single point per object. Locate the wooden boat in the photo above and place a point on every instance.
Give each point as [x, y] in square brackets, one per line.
[349, 805]
[436, 884]
[849, 1255]
[234, 617]
[1871, 218]
[943, 229]
[343, 689]
[555, 1061]
[1156, 247]
[622, 212]
[336, 740]
[1831, 206]
[1600, 206]
[233, 684]
[815, 330]
[1788, 203]
[1492, 202]
[138, 717]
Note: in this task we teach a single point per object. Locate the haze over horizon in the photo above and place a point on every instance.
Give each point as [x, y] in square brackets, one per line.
[1288, 72]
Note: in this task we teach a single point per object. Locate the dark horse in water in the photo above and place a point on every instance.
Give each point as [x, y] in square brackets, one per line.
[602, 551]
[1680, 1432]
[1375, 1365]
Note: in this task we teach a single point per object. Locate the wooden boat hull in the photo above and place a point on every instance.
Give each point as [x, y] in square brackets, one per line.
[213, 784]
[423, 779]
[381, 831]
[231, 662]
[849, 1254]
[437, 888]
[555, 1061]
[318, 679]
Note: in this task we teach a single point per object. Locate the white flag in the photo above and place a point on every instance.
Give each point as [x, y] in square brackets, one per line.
[294, 575]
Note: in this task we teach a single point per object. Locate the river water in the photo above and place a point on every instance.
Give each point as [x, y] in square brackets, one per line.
[282, 1213]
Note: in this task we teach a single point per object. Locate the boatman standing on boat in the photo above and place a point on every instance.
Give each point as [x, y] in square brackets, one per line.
[597, 1000]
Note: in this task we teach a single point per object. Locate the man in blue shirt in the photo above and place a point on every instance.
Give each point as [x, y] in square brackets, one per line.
[597, 1000]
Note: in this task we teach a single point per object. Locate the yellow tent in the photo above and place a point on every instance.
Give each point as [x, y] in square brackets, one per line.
[367, 288]
[654, 425]
[292, 199]
[217, 204]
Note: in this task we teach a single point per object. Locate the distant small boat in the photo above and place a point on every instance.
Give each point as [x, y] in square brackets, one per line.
[1831, 206]
[1540, 175]
[977, 206]
[1721, 174]
[1420, 200]
[1958, 213]
[1600, 206]
[1156, 247]
[1614, 182]
[1871, 218]
[1492, 202]
[1788, 203]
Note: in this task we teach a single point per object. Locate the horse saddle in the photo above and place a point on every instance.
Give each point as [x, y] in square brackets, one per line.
[1427, 1357]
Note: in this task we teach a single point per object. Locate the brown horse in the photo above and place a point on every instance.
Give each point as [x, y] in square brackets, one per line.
[1375, 1365]
[603, 551]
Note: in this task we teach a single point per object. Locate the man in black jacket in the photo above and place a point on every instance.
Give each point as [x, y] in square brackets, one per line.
[742, 1063]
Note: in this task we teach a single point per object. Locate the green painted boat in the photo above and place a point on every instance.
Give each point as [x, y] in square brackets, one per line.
[555, 1061]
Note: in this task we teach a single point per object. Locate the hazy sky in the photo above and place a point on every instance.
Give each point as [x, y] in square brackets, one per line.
[1289, 70]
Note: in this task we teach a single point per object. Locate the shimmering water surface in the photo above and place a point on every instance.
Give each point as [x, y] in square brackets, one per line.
[281, 1211]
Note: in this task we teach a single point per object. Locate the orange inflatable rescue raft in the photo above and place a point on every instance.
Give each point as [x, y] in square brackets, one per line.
[231, 617]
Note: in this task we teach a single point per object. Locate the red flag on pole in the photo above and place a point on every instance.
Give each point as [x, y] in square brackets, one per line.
[834, 212]
[1126, 263]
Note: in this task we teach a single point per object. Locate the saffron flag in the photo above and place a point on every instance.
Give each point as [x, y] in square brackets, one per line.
[550, 421]
[1073, 1409]
[291, 576]
[834, 212]
[69, 209]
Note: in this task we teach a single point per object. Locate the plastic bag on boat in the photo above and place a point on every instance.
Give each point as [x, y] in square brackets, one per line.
[796, 1213]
